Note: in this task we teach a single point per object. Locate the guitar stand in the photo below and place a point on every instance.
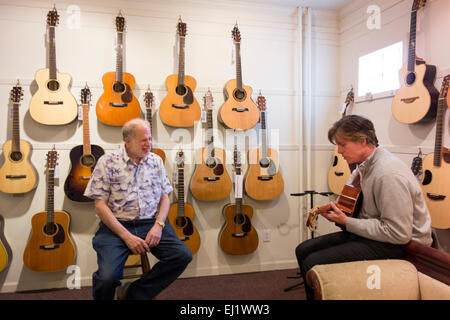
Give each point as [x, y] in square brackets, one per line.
[311, 194]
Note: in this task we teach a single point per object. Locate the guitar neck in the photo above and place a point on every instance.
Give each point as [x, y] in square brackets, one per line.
[50, 195]
[51, 52]
[412, 42]
[180, 192]
[86, 139]
[209, 133]
[238, 66]
[119, 57]
[16, 129]
[439, 130]
[181, 63]
[263, 134]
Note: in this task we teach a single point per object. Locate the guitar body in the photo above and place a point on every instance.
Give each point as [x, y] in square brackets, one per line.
[210, 183]
[238, 236]
[339, 173]
[180, 110]
[184, 227]
[3, 257]
[238, 112]
[117, 106]
[80, 172]
[436, 186]
[262, 183]
[17, 176]
[53, 107]
[160, 153]
[416, 102]
[49, 252]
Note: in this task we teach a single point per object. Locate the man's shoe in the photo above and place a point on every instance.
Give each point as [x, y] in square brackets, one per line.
[121, 291]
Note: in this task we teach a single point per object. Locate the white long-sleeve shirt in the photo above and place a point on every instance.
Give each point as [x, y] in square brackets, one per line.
[393, 209]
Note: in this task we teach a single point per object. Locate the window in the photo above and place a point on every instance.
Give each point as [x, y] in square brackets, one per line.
[378, 70]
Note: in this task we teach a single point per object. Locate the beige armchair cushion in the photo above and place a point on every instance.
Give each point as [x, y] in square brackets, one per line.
[369, 279]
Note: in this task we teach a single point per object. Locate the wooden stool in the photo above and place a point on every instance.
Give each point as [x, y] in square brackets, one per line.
[136, 261]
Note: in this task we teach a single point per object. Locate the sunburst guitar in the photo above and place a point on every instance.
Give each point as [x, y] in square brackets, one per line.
[238, 112]
[416, 100]
[50, 247]
[53, 103]
[118, 104]
[436, 170]
[210, 180]
[3, 254]
[180, 108]
[83, 158]
[181, 214]
[263, 180]
[17, 174]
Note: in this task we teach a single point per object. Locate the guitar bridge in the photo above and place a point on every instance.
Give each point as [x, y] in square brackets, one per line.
[180, 106]
[49, 247]
[211, 178]
[409, 100]
[183, 238]
[240, 109]
[265, 178]
[433, 196]
[85, 177]
[14, 177]
[239, 235]
[53, 103]
[339, 174]
[118, 105]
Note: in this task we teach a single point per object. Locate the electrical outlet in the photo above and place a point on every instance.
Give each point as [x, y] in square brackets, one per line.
[266, 235]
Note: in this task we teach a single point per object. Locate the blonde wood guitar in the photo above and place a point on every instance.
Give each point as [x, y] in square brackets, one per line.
[148, 106]
[118, 104]
[263, 179]
[238, 112]
[17, 174]
[238, 236]
[180, 108]
[53, 103]
[210, 180]
[50, 247]
[340, 171]
[416, 100]
[436, 170]
[181, 214]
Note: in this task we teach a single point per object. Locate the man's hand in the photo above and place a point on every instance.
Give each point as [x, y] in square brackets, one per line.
[336, 216]
[136, 244]
[154, 235]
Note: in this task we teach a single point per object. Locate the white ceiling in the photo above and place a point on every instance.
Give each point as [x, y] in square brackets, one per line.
[320, 4]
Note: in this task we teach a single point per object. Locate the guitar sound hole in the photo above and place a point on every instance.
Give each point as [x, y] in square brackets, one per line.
[53, 85]
[181, 90]
[50, 229]
[239, 219]
[118, 87]
[210, 162]
[88, 160]
[180, 222]
[427, 177]
[264, 162]
[239, 94]
[410, 78]
[16, 156]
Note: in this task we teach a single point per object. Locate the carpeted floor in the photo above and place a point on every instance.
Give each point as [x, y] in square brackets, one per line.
[267, 285]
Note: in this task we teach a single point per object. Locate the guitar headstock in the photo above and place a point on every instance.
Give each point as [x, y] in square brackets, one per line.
[85, 95]
[236, 34]
[180, 159]
[16, 93]
[148, 98]
[418, 4]
[261, 103]
[350, 97]
[52, 18]
[120, 23]
[444, 88]
[208, 100]
[52, 158]
[181, 28]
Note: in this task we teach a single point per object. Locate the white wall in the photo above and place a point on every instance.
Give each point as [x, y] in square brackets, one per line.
[269, 51]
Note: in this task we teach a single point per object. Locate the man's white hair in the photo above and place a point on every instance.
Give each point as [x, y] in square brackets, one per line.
[129, 128]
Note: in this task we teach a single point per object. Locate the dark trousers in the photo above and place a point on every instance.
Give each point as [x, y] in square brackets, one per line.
[112, 253]
[339, 247]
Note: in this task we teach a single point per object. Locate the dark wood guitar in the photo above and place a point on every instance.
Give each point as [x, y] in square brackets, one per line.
[53, 103]
[238, 236]
[3, 254]
[50, 247]
[118, 104]
[83, 158]
[180, 108]
[17, 174]
[181, 214]
[340, 171]
[436, 173]
[238, 112]
[148, 107]
[416, 100]
[349, 201]
[263, 180]
[210, 180]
